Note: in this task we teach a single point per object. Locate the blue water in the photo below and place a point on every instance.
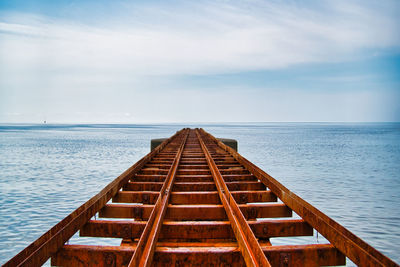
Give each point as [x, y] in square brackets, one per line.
[349, 171]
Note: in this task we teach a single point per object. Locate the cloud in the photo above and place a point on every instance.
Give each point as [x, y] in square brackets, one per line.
[197, 38]
[153, 60]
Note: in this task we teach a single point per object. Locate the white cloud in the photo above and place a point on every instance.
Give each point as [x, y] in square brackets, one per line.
[70, 70]
[199, 38]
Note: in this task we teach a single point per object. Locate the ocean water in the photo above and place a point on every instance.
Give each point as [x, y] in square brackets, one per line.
[351, 172]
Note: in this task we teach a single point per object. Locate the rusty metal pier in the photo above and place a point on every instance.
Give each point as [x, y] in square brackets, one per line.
[195, 201]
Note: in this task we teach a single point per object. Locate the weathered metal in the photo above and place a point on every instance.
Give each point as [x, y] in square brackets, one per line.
[144, 251]
[250, 248]
[195, 201]
[229, 142]
[41, 249]
[225, 255]
[352, 246]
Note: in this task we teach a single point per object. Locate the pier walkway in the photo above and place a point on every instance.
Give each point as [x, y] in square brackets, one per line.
[195, 201]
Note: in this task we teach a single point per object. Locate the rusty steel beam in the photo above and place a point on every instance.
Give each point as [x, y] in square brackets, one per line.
[146, 197]
[143, 186]
[199, 197]
[144, 252]
[348, 243]
[248, 244]
[196, 229]
[212, 197]
[41, 249]
[149, 178]
[198, 211]
[194, 186]
[299, 255]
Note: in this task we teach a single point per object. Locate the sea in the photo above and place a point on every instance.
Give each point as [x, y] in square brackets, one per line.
[349, 171]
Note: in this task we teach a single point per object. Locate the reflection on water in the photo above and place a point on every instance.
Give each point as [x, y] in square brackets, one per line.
[349, 171]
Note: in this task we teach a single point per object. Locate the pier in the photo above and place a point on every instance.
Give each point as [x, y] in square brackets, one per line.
[193, 200]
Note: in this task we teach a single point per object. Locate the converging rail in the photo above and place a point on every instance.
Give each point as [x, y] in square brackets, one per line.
[195, 201]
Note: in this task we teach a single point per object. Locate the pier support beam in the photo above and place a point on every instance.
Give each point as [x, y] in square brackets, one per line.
[232, 143]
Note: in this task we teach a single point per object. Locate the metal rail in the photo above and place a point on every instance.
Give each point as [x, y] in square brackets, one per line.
[248, 244]
[352, 246]
[143, 255]
[49, 243]
[195, 201]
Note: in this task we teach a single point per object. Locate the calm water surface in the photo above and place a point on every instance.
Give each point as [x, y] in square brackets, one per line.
[349, 171]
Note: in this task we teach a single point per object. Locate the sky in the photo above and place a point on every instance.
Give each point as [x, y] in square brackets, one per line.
[98, 61]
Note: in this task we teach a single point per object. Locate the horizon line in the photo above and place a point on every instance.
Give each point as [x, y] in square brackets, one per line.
[189, 122]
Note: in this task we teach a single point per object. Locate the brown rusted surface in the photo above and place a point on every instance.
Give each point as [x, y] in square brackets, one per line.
[194, 211]
[300, 255]
[144, 252]
[349, 244]
[195, 201]
[250, 248]
[196, 229]
[49, 243]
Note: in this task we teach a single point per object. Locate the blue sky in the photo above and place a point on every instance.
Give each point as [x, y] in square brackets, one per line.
[199, 61]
